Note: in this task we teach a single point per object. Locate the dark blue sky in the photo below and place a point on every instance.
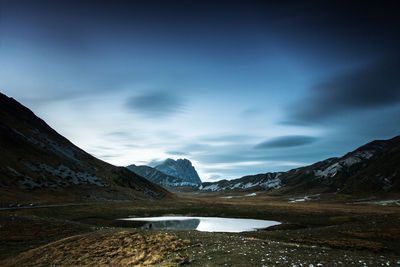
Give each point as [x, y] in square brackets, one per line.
[237, 87]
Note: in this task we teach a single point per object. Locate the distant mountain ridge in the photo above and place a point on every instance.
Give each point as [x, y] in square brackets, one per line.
[374, 167]
[35, 158]
[170, 173]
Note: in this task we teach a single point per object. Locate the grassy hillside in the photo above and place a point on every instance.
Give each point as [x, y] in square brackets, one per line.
[35, 159]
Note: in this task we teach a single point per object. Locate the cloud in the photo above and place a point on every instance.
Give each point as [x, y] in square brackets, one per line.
[228, 138]
[131, 146]
[286, 141]
[240, 169]
[123, 134]
[155, 104]
[250, 112]
[196, 147]
[177, 153]
[124, 137]
[374, 86]
[155, 162]
[214, 177]
[109, 156]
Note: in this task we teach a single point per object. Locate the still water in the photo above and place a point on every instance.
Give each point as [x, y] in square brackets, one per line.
[204, 224]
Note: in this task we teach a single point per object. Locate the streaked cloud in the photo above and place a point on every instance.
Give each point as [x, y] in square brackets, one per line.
[155, 104]
[286, 141]
[130, 83]
[373, 86]
[250, 112]
[123, 134]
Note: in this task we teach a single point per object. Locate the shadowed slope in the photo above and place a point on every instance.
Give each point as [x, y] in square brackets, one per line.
[34, 159]
[374, 167]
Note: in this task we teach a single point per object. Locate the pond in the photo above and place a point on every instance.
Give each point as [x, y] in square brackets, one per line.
[204, 224]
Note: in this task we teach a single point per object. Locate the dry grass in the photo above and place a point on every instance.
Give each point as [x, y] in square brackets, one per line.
[101, 249]
[19, 234]
[343, 243]
[14, 231]
[387, 233]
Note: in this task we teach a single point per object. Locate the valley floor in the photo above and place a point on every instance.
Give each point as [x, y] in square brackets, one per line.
[328, 230]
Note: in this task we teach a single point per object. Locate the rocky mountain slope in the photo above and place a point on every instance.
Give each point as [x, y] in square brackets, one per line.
[266, 181]
[35, 159]
[181, 168]
[374, 167]
[158, 177]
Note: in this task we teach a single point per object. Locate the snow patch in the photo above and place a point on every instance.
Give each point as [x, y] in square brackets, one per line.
[14, 171]
[329, 172]
[61, 176]
[212, 187]
[332, 170]
[303, 199]
[271, 181]
[379, 202]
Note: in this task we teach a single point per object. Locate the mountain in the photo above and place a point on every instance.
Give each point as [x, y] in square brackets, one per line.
[374, 167]
[266, 181]
[36, 160]
[181, 168]
[158, 177]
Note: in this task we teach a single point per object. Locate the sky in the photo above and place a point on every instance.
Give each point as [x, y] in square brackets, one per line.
[237, 87]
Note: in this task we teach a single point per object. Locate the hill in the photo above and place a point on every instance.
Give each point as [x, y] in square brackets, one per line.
[37, 163]
[374, 167]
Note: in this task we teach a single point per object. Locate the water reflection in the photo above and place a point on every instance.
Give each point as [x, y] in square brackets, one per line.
[190, 224]
[205, 224]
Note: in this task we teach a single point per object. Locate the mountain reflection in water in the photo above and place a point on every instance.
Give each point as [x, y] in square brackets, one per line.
[190, 224]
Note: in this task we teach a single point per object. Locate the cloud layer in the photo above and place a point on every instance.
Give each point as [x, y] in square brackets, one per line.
[155, 104]
[140, 81]
[370, 87]
[286, 141]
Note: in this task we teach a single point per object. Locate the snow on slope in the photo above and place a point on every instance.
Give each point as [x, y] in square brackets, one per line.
[269, 181]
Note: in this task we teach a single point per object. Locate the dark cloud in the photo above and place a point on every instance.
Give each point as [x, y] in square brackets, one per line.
[155, 104]
[377, 124]
[375, 86]
[287, 141]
